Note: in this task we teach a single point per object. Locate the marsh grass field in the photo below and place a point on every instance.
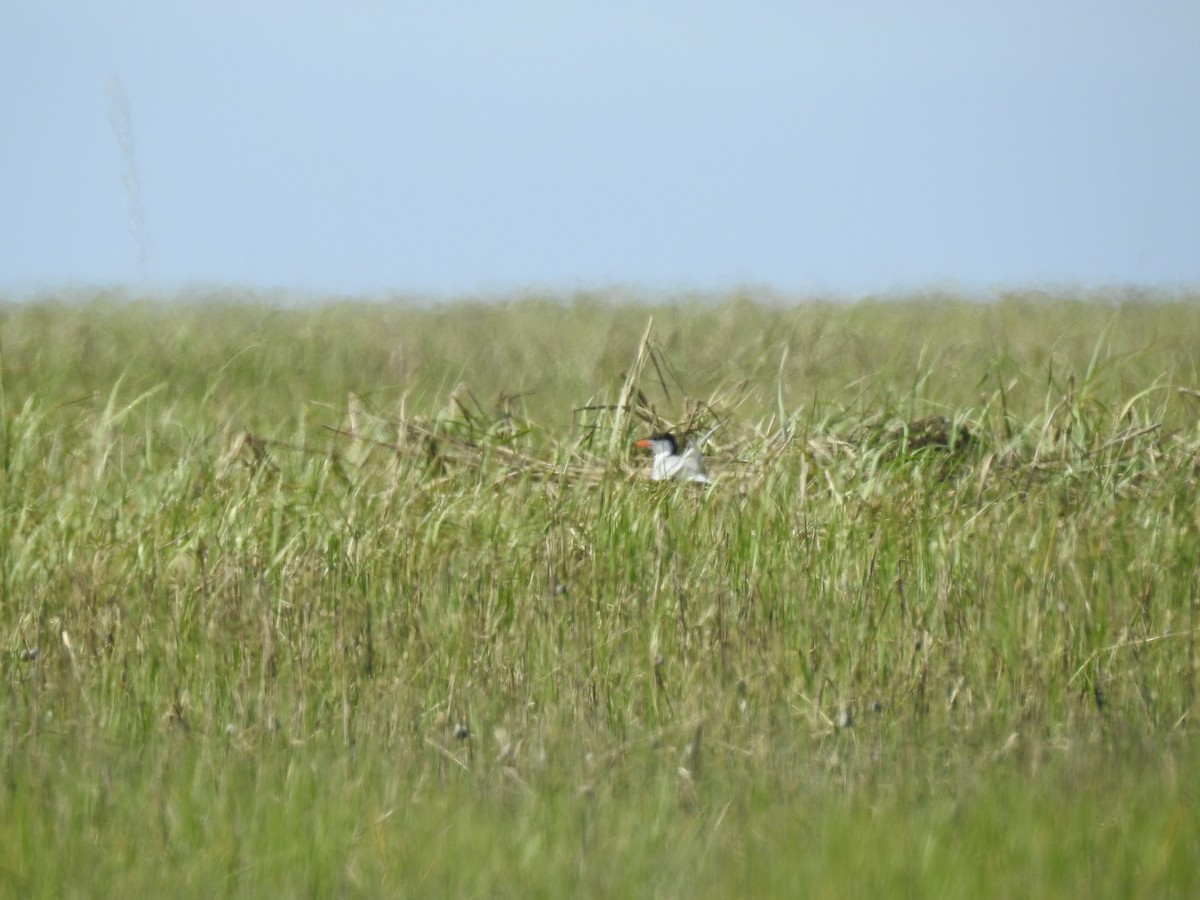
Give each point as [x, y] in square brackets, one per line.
[377, 600]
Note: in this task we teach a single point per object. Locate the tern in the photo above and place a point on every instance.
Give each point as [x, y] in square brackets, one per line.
[669, 463]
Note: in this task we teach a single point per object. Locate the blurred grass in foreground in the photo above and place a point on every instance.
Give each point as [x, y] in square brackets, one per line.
[370, 599]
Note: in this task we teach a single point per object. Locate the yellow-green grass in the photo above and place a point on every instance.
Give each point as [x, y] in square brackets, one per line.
[372, 599]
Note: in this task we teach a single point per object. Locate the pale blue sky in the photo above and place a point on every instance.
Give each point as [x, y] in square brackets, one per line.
[444, 147]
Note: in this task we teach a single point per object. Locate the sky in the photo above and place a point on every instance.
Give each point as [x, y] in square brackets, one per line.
[361, 147]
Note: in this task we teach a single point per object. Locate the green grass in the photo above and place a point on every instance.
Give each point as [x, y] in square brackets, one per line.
[373, 599]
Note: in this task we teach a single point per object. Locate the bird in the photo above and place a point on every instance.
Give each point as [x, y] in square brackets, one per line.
[669, 463]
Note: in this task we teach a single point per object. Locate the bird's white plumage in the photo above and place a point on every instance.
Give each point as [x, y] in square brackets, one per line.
[670, 464]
